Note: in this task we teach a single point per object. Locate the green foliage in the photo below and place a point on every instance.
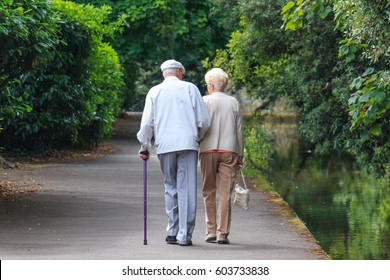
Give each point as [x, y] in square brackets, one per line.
[325, 47]
[371, 100]
[158, 30]
[28, 29]
[254, 57]
[257, 147]
[365, 48]
[75, 96]
[366, 25]
[106, 81]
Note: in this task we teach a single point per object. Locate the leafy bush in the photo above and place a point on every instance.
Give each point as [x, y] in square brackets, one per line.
[75, 97]
[28, 30]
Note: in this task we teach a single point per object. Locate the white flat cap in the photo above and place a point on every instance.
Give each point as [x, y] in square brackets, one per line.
[171, 64]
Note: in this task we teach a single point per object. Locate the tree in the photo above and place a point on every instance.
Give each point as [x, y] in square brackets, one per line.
[255, 55]
[364, 50]
[157, 30]
[309, 67]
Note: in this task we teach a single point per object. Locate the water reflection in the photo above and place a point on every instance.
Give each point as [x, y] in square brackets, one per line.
[347, 211]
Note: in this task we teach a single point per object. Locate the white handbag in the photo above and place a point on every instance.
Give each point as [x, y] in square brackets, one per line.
[241, 194]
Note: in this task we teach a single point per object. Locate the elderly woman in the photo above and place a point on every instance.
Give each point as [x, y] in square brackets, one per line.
[221, 153]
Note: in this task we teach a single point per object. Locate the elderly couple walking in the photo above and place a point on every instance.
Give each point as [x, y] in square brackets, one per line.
[180, 123]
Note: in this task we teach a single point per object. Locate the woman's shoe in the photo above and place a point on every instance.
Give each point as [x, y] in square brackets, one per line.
[210, 237]
[223, 240]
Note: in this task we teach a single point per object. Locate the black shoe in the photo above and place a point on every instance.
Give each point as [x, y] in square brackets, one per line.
[189, 243]
[171, 240]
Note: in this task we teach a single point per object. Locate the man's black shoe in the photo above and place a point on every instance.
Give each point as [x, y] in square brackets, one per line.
[171, 240]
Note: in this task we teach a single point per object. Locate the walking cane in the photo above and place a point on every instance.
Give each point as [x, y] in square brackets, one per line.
[145, 196]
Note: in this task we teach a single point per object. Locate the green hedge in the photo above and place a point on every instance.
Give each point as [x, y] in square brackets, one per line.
[70, 98]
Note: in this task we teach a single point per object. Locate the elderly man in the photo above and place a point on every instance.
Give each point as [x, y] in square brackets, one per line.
[176, 116]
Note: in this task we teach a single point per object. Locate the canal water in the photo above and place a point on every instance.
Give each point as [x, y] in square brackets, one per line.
[347, 211]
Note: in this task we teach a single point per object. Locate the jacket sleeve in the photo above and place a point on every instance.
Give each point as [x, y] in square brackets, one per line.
[240, 132]
[201, 114]
[145, 133]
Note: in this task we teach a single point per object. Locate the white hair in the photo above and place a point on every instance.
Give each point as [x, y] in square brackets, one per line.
[169, 71]
[218, 78]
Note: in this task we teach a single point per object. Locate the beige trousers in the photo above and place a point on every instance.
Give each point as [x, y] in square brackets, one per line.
[218, 174]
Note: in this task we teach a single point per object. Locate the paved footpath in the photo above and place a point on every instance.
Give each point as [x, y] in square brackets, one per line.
[93, 210]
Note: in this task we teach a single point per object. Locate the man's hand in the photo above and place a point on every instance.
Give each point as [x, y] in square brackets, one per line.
[143, 154]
